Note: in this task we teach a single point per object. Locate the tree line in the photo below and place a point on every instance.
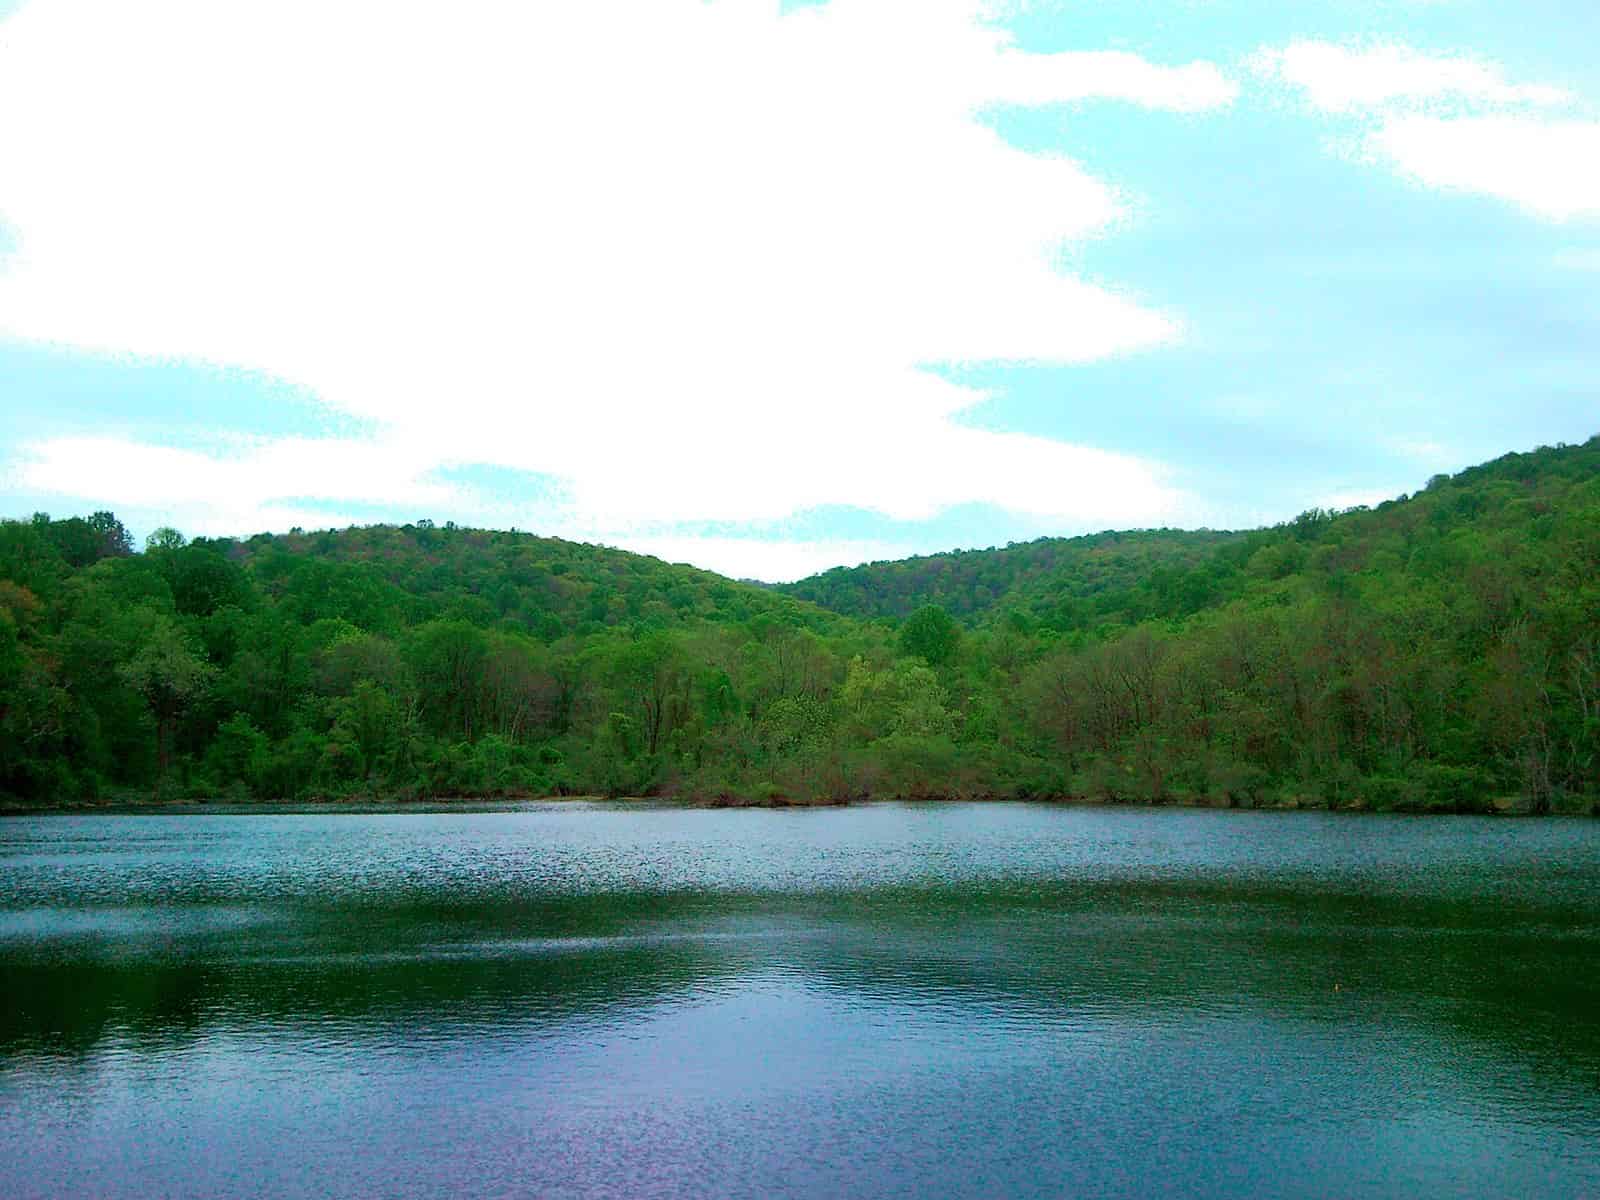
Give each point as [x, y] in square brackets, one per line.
[1441, 651]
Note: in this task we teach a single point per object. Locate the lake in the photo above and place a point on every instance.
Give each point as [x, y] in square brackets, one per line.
[937, 1000]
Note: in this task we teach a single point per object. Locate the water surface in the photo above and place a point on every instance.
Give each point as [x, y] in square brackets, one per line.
[894, 1000]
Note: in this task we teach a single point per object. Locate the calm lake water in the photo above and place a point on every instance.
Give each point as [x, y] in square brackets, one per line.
[896, 1000]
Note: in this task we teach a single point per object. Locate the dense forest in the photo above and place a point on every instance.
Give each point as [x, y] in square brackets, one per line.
[1437, 652]
[1056, 581]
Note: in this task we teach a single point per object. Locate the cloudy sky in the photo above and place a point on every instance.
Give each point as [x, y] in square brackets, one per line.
[771, 287]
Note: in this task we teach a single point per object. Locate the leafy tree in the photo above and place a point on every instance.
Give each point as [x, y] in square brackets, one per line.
[446, 659]
[168, 671]
[115, 541]
[166, 539]
[931, 635]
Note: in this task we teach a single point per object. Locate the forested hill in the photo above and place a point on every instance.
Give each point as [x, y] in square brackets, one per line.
[1083, 584]
[1440, 651]
[384, 576]
[1041, 576]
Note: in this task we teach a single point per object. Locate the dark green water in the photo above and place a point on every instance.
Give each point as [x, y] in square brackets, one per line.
[888, 1001]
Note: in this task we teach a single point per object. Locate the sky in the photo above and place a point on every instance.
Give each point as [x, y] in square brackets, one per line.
[772, 287]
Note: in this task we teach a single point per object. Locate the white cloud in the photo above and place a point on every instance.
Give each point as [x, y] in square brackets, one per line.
[1452, 122]
[272, 485]
[1360, 498]
[1037, 79]
[690, 257]
[1343, 79]
[1550, 169]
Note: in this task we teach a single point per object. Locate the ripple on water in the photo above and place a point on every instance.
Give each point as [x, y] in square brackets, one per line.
[891, 1000]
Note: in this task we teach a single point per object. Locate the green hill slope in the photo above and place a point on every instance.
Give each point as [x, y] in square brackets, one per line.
[1049, 577]
[391, 576]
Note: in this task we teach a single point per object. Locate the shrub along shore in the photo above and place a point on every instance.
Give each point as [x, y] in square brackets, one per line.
[1503, 806]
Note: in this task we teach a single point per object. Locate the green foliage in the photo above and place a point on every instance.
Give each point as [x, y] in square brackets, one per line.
[931, 635]
[1440, 653]
[1061, 583]
[239, 753]
[167, 670]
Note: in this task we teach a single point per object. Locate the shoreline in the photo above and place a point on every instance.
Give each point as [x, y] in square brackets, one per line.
[1500, 807]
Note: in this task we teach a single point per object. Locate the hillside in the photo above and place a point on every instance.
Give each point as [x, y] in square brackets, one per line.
[1440, 651]
[384, 576]
[1050, 578]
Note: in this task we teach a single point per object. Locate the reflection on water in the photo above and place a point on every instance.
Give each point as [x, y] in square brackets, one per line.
[893, 1000]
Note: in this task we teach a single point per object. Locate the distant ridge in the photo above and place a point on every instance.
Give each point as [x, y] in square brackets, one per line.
[971, 584]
